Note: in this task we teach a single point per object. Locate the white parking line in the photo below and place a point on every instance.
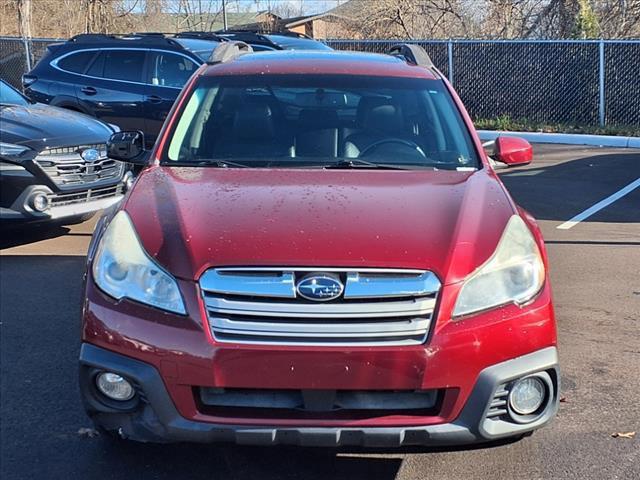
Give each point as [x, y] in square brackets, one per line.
[600, 205]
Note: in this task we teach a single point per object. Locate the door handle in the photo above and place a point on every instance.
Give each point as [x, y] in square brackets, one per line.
[89, 90]
[153, 99]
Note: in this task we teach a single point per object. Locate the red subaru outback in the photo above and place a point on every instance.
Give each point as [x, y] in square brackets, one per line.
[319, 252]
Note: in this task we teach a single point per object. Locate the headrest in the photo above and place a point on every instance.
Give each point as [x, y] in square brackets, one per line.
[315, 118]
[380, 114]
[253, 122]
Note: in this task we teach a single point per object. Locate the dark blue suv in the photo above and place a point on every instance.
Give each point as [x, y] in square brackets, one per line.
[132, 81]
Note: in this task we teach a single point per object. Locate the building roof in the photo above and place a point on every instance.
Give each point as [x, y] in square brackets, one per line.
[350, 9]
[170, 22]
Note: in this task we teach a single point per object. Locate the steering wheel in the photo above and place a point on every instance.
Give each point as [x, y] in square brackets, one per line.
[400, 141]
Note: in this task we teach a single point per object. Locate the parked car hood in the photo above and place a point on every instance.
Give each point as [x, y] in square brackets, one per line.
[38, 126]
[191, 219]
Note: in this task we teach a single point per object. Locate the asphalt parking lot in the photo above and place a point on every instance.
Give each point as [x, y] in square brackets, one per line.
[595, 270]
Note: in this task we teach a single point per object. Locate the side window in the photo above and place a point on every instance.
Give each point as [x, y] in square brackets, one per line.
[124, 64]
[169, 70]
[97, 67]
[76, 62]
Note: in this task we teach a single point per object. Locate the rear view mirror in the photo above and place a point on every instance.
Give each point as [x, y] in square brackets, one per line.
[513, 151]
[127, 147]
[321, 99]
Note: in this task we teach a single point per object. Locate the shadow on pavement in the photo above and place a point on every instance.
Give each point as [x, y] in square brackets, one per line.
[24, 235]
[242, 462]
[42, 413]
[560, 191]
[264, 463]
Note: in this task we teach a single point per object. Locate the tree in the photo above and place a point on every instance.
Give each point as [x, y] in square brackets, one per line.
[410, 19]
[24, 18]
[586, 24]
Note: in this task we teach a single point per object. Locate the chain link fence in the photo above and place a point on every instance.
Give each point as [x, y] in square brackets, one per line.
[622, 83]
[574, 82]
[17, 56]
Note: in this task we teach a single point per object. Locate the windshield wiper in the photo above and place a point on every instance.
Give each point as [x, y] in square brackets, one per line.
[212, 163]
[359, 163]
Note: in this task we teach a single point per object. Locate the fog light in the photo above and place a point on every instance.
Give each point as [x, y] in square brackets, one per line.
[114, 386]
[527, 395]
[40, 202]
[128, 180]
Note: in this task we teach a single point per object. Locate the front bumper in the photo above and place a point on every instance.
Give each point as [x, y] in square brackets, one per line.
[154, 418]
[84, 202]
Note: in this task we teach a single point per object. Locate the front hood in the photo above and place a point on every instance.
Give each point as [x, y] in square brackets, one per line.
[191, 219]
[38, 126]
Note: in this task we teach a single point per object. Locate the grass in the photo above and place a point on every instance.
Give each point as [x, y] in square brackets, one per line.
[505, 122]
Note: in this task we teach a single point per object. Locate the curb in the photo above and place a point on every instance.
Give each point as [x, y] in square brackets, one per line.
[566, 138]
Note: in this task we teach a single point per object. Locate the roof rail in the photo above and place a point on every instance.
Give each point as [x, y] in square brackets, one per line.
[259, 31]
[200, 36]
[83, 37]
[412, 53]
[245, 35]
[145, 38]
[228, 51]
[150, 34]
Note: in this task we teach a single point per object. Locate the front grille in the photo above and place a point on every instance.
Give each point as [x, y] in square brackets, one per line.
[66, 167]
[262, 306]
[316, 404]
[60, 199]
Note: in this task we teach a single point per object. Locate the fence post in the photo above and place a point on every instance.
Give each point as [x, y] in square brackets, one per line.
[450, 57]
[601, 86]
[27, 52]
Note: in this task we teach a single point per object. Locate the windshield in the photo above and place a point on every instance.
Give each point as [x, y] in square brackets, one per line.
[204, 54]
[296, 43]
[316, 120]
[202, 48]
[9, 96]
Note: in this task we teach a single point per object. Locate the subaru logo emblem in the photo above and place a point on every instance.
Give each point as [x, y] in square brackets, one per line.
[90, 155]
[320, 287]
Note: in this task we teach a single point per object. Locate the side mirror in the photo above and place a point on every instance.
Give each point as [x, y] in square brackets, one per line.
[127, 147]
[513, 151]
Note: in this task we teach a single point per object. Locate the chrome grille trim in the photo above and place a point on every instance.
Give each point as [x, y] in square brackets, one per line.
[363, 283]
[321, 310]
[367, 285]
[67, 169]
[413, 326]
[84, 196]
[321, 269]
[262, 284]
[380, 307]
[73, 150]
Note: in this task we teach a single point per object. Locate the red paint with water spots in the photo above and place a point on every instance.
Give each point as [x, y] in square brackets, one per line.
[190, 219]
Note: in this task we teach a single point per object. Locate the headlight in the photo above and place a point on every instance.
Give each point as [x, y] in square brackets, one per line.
[11, 151]
[121, 268]
[513, 274]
